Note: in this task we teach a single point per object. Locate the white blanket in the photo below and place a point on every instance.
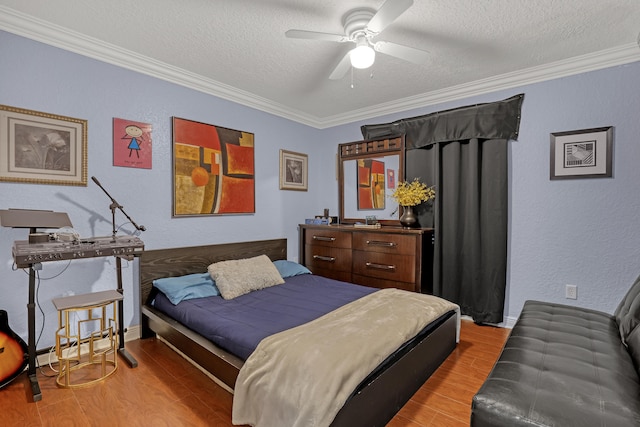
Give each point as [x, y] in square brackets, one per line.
[303, 376]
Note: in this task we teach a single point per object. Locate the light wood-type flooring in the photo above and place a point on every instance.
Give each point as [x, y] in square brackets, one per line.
[166, 390]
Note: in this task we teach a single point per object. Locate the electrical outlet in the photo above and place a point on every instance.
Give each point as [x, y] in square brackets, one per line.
[571, 291]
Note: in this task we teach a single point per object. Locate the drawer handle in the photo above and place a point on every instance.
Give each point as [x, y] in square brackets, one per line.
[380, 266]
[324, 258]
[324, 239]
[381, 243]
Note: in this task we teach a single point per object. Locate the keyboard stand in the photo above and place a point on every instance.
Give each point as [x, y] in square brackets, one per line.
[28, 256]
[31, 345]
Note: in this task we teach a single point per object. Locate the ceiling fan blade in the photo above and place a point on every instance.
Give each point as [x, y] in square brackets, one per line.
[314, 35]
[413, 55]
[388, 12]
[342, 67]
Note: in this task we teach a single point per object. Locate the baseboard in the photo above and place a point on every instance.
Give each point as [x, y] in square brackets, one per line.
[510, 322]
[48, 356]
[132, 333]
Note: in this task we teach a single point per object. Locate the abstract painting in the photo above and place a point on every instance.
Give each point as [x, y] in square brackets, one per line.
[213, 170]
[371, 184]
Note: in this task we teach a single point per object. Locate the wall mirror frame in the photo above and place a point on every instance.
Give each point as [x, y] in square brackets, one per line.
[368, 172]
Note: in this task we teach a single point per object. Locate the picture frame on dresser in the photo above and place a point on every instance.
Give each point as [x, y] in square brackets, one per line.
[42, 148]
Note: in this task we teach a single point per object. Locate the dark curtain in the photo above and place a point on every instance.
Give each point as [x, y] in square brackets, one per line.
[464, 153]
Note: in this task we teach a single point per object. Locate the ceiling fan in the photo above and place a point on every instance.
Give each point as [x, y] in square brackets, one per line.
[360, 27]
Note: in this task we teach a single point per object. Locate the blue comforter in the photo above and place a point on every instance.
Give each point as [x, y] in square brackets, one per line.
[239, 324]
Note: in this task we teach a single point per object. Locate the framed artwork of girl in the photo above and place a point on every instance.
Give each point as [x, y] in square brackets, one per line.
[131, 144]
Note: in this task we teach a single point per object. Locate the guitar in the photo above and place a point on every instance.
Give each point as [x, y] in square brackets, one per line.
[13, 352]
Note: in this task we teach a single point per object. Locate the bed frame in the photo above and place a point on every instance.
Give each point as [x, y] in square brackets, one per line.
[378, 398]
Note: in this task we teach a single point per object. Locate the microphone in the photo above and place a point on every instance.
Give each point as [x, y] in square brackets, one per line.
[115, 205]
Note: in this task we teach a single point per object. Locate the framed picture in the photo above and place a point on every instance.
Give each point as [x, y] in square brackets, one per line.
[131, 144]
[583, 153]
[293, 171]
[42, 148]
[213, 170]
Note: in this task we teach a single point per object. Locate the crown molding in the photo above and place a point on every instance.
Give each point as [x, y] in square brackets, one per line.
[54, 35]
[36, 29]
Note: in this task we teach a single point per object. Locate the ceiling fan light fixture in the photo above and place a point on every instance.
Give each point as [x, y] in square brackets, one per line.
[363, 55]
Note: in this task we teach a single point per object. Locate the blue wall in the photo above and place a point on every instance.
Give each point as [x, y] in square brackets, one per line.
[584, 231]
[39, 77]
[580, 232]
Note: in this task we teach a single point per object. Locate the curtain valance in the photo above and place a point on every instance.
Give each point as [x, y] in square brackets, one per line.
[495, 120]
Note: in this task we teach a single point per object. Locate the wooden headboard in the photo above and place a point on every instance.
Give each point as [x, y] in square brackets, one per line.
[173, 262]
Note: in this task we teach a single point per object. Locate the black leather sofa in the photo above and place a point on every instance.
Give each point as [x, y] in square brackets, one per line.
[566, 366]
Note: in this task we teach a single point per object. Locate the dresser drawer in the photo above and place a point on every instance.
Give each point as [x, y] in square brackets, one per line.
[329, 238]
[324, 257]
[400, 268]
[385, 243]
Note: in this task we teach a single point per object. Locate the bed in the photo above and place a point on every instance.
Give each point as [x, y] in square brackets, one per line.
[374, 401]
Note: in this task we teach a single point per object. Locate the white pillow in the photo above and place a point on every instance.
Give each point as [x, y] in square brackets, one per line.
[241, 276]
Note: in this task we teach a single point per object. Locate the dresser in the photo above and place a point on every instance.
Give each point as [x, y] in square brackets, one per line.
[387, 257]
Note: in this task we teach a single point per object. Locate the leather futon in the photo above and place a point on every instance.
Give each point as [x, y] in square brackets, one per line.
[566, 366]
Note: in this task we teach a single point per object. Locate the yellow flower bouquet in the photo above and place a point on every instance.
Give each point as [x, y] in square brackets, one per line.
[413, 193]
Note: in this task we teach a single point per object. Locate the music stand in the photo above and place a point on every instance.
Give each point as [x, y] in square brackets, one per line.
[33, 219]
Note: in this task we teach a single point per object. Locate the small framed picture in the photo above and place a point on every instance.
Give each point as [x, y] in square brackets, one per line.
[293, 171]
[583, 153]
[131, 144]
[42, 148]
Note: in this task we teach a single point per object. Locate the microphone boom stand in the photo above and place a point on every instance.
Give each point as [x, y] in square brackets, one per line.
[131, 361]
[113, 206]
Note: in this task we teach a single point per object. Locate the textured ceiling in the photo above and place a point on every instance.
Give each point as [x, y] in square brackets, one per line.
[236, 49]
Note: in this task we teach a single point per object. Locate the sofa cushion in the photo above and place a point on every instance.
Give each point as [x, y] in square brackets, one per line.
[561, 366]
[628, 318]
[633, 345]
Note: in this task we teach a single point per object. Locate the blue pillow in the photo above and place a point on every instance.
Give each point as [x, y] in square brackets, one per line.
[290, 268]
[198, 285]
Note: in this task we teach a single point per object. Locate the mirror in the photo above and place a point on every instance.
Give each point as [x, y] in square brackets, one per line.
[368, 173]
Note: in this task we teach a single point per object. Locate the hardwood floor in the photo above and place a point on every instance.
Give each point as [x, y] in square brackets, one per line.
[166, 390]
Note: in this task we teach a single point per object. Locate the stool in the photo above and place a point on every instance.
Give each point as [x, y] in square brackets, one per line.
[86, 350]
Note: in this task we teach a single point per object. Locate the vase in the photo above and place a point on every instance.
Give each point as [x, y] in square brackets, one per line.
[408, 218]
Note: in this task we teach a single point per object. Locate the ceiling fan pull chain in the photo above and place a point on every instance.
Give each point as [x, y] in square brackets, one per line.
[351, 77]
